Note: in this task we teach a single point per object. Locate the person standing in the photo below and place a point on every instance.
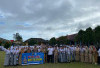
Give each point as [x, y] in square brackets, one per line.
[72, 52]
[39, 49]
[12, 56]
[20, 56]
[82, 54]
[90, 54]
[7, 57]
[35, 49]
[55, 55]
[62, 57]
[77, 52]
[68, 51]
[50, 54]
[99, 56]
[28, 50]
[86, 54]
[95, 55]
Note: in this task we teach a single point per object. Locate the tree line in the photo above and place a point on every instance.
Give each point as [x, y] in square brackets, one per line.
[84, 37]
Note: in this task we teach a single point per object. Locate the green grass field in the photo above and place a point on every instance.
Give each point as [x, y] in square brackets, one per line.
[49, 65]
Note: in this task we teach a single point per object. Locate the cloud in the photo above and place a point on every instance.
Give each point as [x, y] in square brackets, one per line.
[47, 18]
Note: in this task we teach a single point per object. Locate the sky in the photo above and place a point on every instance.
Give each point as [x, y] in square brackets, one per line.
[47, 18]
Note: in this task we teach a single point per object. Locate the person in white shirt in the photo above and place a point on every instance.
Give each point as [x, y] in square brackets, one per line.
[68, 51]
[7, 57]
[12, 56]
[62, 57]
[39, 49]
[99, 56]
[50, 54]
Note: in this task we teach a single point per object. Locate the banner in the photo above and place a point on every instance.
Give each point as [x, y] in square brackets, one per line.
[32, 58]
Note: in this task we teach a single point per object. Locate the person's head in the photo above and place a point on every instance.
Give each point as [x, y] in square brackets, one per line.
[55, 47]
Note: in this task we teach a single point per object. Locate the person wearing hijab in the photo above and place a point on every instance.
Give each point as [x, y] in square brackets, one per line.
[82, 54]
[20, 55]
[68, 52]
[86, 54]
[90, 54]
[55, 55]
[7, 57]
[95, 55]
[77, 52]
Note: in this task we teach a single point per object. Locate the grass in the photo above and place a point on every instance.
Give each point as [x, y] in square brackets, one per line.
[49, 65]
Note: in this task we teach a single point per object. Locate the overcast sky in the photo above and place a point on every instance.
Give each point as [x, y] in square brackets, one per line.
[47, 18]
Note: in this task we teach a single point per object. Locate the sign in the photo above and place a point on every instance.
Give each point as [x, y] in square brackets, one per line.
[32, 58]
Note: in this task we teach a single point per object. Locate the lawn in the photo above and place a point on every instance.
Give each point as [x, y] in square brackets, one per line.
[49, 65]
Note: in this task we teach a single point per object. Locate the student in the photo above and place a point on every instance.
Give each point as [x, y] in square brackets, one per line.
[77, 52]
[95, 55]
[20, 55]
[35, 49]
[55, 55]
[39, 49]
[12, 56]
[28, 50]
[17, 56]
[90, 54]
[82, 54]
[7, 57]
[72, 52]
[50, 54]
[99, 56]
[68, 51]
[86, 54]
[62, 53]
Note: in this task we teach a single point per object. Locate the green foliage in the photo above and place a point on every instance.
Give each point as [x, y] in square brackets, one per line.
[52, 41]
[62, 40]
[97, 34]
[18, 37]
[89, 36]
[7, 44]
[32, 42]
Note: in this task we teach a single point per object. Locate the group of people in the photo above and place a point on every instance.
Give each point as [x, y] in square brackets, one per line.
[62, 54]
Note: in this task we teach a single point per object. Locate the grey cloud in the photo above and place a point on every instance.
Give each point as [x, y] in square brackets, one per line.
[47, 18]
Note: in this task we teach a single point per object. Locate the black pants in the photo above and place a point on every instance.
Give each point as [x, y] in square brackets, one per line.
[98, 59]
[50, 58]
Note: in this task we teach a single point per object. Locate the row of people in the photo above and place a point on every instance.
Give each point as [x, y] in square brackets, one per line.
[54, 54]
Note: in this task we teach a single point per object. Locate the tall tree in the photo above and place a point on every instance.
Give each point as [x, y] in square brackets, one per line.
[89, 36]
[62, 40]
[18, 37]
[52, 41]
[97, 34]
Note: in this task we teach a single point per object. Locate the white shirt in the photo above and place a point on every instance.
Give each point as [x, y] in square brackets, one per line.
[7, 51]
[99, 51]
[39, 50]
[50, 51]
[72, 49]
[68, 50]
[62, 50]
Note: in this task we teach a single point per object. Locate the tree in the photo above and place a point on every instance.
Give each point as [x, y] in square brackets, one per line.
[17, 37]
[80, 37]
[62, 40]
[97, 35]
[52, 41]
[7, 44]
[32, 42]
[89, 36]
